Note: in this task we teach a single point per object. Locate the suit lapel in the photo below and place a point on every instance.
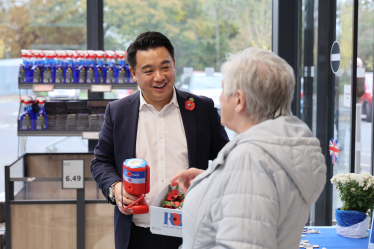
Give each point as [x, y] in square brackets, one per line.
[189, 123]
[131, 123]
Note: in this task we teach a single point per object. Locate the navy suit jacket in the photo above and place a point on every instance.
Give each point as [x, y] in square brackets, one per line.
[117, 142]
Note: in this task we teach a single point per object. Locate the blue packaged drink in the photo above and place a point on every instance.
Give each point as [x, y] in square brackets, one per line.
[25, 69]
[41, 116]
[27, 118]
[82, 69]
[37, 67]
[90, 63]
[100, 69]
[60, 66]
[69, 68]
[123, 70]
[49, 72]
[111, 69]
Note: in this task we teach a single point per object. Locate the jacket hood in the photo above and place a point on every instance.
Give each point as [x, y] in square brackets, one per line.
[290, 143]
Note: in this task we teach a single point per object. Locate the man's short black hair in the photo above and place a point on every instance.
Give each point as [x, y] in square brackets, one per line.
[144, 42]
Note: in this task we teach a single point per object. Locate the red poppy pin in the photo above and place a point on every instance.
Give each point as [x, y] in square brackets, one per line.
[190, 104]
[174, 199]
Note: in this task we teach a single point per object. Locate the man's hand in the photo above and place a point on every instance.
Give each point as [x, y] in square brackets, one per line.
[186, 177]
[127, 199]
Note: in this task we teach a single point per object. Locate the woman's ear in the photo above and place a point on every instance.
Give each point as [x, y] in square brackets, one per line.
[240, 102]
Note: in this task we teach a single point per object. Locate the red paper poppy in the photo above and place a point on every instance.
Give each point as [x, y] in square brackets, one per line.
[171, 197]
[129, 173]
[174, 184]
[176, 219]
[189, 105]
[177, 203]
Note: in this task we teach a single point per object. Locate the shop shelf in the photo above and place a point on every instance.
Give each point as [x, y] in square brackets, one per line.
[132, 85]
[56, 133]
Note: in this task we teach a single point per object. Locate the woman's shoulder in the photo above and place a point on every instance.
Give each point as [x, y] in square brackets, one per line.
[244, 153]
[246, 149]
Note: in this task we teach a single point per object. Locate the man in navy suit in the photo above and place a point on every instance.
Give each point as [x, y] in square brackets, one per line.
[172, 130]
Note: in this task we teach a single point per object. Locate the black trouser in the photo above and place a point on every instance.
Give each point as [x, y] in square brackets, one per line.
[142, 238]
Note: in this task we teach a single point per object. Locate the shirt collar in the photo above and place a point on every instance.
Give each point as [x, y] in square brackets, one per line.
[173, 100]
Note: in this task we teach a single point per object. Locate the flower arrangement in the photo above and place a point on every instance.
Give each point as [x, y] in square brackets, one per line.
[356, 191]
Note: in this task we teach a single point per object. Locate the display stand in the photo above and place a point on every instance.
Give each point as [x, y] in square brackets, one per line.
[39, 211]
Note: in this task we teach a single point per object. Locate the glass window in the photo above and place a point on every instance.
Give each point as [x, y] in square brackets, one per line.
[364, 85]
[41, 25]
[202, 32]
[343, 82]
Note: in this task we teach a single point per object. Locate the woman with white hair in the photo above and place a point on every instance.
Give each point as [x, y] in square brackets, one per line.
[259, 190]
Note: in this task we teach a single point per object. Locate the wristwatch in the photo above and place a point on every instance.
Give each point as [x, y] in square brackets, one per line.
[111, 194]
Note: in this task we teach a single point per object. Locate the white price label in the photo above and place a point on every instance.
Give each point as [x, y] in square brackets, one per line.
[90, 135]
[42, 88]
[101, 88]
[73, 174]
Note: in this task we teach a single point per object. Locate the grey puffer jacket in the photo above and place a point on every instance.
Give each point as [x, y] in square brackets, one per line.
[259, 190]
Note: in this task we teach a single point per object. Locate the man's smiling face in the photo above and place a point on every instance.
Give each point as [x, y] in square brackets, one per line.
[155, 73]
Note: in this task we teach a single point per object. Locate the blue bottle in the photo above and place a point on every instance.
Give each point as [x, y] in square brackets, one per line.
[27, 119]
[76, 67]
[82, 69]
[37, 67]
[29, 75]
[90, 64]
[41, 116]
[25, 69]
[49, 72]
[111, 69]
[123, 69]
[70, 68]
[60, 66]
[100, 69]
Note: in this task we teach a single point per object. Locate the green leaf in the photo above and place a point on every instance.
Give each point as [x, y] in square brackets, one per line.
[191, 99]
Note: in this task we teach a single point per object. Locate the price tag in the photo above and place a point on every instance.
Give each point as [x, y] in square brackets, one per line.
[42, 88]
[101, 88]
[73, 174]
[90, 135]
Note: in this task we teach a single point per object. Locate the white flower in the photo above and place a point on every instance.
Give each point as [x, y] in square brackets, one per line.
[360, 180]
[353, 189]
[368, 184]
[343, 179]
[353, 177]
[366, 176]
[336, 178]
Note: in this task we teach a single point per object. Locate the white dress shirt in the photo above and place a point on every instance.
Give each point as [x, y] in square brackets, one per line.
[161, 141]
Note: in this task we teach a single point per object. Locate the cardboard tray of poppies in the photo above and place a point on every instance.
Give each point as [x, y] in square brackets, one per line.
[174, 199]
[166, 213]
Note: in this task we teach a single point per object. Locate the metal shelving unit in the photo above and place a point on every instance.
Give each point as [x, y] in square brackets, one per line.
[55, 133]
[133, 85]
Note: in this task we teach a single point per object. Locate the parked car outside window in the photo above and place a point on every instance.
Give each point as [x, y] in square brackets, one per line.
[200, 84]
